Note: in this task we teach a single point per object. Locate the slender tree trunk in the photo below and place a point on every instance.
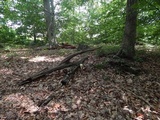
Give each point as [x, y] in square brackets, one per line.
[73, 29]
[129, 38]
[34, 34]
[49, 21]
[53, 26]
[35, 37]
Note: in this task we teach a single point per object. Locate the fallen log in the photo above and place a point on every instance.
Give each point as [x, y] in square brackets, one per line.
[64, 64]
[69, 76]
[47, 71]
[67, 59]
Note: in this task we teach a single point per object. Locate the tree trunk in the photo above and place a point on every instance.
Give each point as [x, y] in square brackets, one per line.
[49, 21]
[35, 38]
[34, 35]
[129, 38]
[53, 26]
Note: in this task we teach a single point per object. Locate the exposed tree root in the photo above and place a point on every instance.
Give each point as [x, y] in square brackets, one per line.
[124, 66]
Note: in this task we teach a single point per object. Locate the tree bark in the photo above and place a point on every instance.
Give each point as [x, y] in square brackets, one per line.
[50, 20]
[53, 26]
[129, 38]
[34, 35]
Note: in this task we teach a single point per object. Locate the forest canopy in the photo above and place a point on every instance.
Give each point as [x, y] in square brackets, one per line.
[93, 21]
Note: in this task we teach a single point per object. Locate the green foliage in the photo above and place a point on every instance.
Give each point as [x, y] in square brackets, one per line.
[108, 49]
[1, 46]
[37, 43]
[7, 48]
[92, 22]
[20, 21]
[148, 22]
[7, 35]
[12, 54]
[111, 21]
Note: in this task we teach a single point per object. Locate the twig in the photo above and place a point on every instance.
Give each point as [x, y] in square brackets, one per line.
[49, 98]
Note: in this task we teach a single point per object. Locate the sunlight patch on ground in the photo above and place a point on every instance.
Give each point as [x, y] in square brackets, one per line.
[6, 71]
[150, 47]
[24, 58]
[140, 115]
[3, 56]
[147, 47]
[55, 108]
[128, 109]
[45, 59]
[23, 102]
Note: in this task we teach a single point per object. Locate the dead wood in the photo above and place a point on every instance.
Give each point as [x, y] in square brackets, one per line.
[48, 99]
[67, 59]
[46, 71]
[70, 75]
[64, 64]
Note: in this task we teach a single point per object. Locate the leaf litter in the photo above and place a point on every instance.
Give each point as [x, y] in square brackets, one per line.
[94, 93]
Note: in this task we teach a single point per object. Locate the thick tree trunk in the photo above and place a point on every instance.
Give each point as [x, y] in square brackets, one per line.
[129, 38]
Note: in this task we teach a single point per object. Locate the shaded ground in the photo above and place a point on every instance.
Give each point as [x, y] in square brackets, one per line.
[94, 94]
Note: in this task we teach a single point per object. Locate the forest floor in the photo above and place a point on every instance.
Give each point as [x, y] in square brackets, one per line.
[95, 93]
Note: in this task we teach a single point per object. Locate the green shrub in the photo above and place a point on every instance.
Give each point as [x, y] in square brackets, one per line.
[108, 49]
[1, 46]
[7, 48]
